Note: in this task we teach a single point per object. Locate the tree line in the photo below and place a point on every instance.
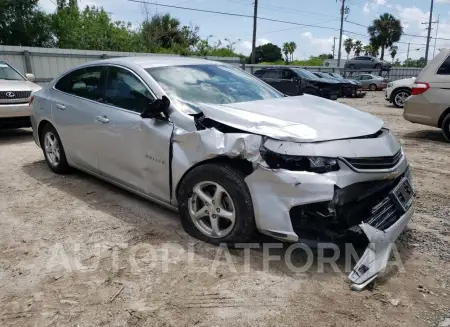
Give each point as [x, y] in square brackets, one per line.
[23, 23]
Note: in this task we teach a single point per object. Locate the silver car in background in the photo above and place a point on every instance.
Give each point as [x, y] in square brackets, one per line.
[367, 62]
[230, 153]
[15, 94]
[371, 82]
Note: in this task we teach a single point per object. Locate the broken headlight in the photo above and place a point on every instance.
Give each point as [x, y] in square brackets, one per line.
[299, 163]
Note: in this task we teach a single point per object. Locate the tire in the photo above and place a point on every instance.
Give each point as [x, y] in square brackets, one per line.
[399, 97]
[232, 182]
[57, 165]
[373, 87]
[446, 128]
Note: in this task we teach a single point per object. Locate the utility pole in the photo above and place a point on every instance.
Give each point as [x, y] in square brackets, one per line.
[429, 31]
[407, 54]
[334, 45]
[435, 38]
[255, 20]
[340, 33]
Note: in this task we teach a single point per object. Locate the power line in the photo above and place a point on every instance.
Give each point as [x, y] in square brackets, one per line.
[236, 15]
[282, 9]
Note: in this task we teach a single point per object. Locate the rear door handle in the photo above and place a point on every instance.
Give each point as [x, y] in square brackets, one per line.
[60, 106]
[102, 119]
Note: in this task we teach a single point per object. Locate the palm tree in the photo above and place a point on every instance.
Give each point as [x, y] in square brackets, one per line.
[286, 50]
[293, 47]
[348, 46]
[384, 31]
[394, 50]
[358, 47]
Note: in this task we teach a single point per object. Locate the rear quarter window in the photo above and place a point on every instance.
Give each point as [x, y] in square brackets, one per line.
[445, 67]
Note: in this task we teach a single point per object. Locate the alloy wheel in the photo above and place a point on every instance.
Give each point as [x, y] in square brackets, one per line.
[212, 210]
[52, 150]
[400, 98]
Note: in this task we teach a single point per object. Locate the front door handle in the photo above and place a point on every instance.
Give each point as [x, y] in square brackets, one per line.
[102, 119]
[60, 106]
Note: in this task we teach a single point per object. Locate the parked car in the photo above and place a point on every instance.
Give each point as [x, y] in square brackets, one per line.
[429, 103]
[15, 92]
[229, 152]
[294, 81]
[367, 62]
[371, 82]
[398, 91]
[348, 89]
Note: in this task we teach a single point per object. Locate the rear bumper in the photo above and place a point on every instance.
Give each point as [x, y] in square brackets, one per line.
[15, 110]
[418, 109]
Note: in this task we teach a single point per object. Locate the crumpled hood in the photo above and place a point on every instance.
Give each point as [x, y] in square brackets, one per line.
[304, 118]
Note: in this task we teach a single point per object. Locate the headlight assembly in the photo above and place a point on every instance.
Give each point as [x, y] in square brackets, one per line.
[299, 163]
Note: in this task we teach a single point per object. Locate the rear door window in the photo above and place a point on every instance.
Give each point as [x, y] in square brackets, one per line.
[288, 74]
[445, 67]
[273, 73]
[85, 82]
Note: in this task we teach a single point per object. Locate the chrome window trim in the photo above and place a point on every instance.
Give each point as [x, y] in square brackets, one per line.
[105, 104]
[387, 170]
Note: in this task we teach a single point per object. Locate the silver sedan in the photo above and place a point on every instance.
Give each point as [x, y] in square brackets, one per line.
[229, 152]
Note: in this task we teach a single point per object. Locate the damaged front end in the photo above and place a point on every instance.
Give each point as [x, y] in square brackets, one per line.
[299, 193]
[324, 191]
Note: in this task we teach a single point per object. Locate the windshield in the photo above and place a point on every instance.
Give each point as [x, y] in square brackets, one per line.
[8, 73]
[305, 73]
[215, 84]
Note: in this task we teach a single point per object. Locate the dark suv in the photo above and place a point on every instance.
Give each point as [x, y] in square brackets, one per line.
[295, 81]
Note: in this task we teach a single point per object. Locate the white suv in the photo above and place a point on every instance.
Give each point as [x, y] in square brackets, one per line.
[398, 91]
[15, 93]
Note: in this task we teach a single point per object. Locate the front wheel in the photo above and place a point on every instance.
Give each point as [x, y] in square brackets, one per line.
[215, 205]
[53, 150]
[400, 97]
[446, 127]
[372, 87]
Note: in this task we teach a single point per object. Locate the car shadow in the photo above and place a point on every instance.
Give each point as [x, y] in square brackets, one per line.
[154, 224]
[15, 136]
[427, 135]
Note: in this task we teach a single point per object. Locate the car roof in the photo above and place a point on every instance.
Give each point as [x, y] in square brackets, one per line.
[156, 61]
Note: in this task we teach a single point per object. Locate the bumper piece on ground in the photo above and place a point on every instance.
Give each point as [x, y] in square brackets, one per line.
[376, 256]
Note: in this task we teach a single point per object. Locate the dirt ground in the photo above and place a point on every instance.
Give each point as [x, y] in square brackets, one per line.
[75, 251]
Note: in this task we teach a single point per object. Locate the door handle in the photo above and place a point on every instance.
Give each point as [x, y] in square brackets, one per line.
[102, 119]
[60, 106]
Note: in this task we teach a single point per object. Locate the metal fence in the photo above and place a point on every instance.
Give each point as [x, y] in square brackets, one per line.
[48, 63]
[393, 74]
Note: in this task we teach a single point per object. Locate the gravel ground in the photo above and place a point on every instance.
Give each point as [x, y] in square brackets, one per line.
[75, 251]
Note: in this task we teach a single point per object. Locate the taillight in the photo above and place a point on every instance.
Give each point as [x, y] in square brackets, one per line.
[31, 100]
[419, 88]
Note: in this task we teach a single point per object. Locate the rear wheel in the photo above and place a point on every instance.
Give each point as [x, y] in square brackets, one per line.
[53, 150]
[215, 205]
[373, 87]
[446, 127]
[399, 97]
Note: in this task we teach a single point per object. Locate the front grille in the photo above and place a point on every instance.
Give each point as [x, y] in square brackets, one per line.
[384, 214]
[17, 95]
[376, 162]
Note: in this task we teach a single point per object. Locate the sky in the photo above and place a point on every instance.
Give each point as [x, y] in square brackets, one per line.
[310, 40]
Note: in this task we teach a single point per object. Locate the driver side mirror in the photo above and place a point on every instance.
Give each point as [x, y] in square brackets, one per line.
[30, 77]
[157, 109]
